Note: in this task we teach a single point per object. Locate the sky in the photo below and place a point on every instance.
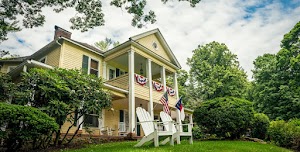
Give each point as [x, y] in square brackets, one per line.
[249, 28]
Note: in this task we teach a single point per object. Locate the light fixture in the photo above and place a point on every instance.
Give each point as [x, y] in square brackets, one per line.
[141, 70]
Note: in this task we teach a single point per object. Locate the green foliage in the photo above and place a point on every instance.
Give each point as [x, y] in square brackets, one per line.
[89, 13]
[203, 146]
[276, 90]
[285, 134]
[62, 93]
[22, 125]
[260, 126]
[7, 88]
[227, 117]
[197, 133]
[215, 72]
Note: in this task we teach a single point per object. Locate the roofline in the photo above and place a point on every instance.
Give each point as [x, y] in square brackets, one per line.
[71, 41]
[19, 68]
[168, 47]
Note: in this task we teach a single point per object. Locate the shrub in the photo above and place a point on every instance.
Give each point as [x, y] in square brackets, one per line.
[21, 125]
[227, 117]
[260, 126]
[285, 134]
[197, 133]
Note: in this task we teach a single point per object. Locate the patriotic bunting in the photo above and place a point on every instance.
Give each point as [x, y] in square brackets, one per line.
[171, 91]
[140, 79]
[157, 86]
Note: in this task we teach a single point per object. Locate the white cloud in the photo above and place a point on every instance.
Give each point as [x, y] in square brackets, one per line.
[183, 27]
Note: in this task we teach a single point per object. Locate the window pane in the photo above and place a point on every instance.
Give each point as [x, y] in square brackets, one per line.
[85, 64]
[95, 72]
[94, 64]
[111, 74]
[117, 72]
[91, 121]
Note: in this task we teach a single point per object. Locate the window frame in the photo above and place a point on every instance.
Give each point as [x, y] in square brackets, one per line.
[89, 64]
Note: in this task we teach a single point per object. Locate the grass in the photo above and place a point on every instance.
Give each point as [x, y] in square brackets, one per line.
[198, 146]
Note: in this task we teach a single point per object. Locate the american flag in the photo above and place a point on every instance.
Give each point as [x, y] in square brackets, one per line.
[164, 102]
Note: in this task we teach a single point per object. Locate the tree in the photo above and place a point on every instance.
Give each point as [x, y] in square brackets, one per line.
[106, 44]
[277, 79]
[226, 117]
[66, 95]
[215, 72]
[7, 88]
[89, 13]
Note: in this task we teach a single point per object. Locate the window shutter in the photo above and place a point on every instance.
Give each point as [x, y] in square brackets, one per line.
[85, 64]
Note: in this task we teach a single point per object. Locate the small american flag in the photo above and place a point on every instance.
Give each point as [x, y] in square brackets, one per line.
[164, 102]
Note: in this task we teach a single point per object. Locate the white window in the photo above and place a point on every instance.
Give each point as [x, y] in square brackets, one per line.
[91, 120]
[10, 68]
[90, 66]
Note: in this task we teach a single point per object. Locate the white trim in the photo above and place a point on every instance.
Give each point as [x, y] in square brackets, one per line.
[40, 60]
[115, 88]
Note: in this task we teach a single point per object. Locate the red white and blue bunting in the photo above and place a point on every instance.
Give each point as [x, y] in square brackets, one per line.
[140, 79]
[171, 91]
[157, 86]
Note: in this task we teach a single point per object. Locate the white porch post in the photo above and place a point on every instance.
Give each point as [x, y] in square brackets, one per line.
[149, 76]
[104, 75]
[24, 68]
[178, 118]
[131, 91]
[79, 122]
[163, 77]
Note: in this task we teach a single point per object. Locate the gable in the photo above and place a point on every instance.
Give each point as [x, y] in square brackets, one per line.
[148, 42]
[163, 50]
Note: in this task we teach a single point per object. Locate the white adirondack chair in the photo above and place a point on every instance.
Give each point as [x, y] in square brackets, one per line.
[176, 130]
[150, 129]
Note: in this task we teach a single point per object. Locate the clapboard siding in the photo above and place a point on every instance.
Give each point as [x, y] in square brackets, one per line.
[53, 57]
[148, 43]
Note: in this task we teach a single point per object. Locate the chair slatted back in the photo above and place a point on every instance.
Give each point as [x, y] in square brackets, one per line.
[145, 120]
[166, 119]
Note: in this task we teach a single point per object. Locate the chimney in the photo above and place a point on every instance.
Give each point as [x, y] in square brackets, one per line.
[60, 32]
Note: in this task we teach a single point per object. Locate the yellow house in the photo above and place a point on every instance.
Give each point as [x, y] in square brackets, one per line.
[134, 71]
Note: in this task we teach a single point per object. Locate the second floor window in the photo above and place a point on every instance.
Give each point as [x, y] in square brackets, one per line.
[90, 66]
[111, 73]
[94, 67]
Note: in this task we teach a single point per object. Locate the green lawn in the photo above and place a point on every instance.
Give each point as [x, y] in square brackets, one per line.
[198, 146]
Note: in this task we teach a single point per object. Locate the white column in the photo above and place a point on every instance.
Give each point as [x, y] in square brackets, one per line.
[131, 91]
[104, 75]
[24, 68]
[149, 76]
[178, 118]
[163, 78]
